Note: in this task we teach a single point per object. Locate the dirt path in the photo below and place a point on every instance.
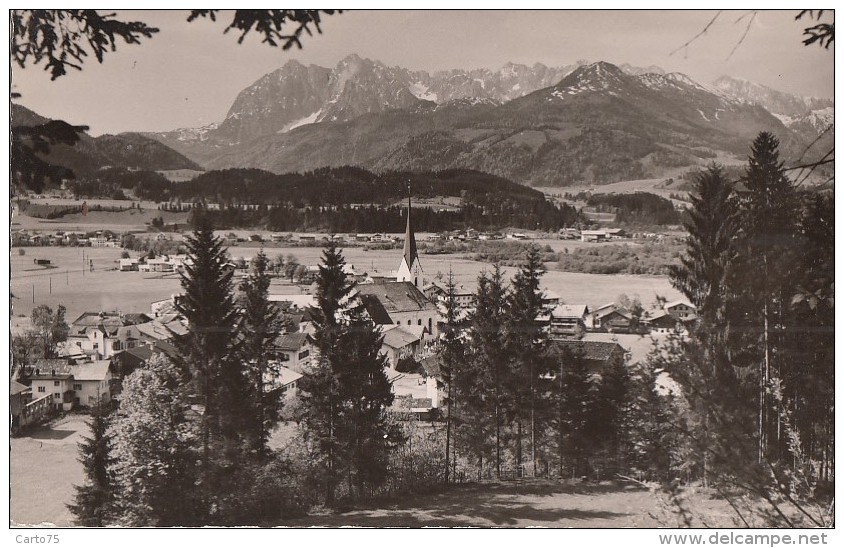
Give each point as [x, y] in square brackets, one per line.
[538, 503]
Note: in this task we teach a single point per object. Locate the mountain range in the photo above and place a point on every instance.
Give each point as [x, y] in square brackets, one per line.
[538, 125]
[587, 122]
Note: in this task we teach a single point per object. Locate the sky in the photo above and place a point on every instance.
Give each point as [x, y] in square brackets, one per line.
[188, 75]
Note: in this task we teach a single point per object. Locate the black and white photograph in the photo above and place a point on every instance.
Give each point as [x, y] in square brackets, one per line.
[509, 268]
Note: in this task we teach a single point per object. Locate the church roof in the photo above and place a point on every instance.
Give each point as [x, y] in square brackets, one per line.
[397, 296]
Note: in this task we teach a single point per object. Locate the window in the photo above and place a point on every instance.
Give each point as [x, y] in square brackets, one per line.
[419, 321]
[77, 386]
[304, 354]
[57, 383]
[42, 388]
[115, 345]
[408, 322]
[57, 395]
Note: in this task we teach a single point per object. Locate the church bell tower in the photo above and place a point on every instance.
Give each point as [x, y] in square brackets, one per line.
[410, 270]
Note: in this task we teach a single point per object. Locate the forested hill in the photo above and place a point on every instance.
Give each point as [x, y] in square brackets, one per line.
[90, 154]
[346, 198]
[344, 185]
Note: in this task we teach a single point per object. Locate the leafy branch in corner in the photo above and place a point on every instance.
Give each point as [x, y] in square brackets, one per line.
[822, 33]
[63, 37]
[271, 24]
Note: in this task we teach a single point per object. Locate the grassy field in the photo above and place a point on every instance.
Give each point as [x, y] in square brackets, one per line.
[109, 289]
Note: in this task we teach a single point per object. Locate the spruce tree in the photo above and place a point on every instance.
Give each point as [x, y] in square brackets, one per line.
[260, 328]
[451, 357]
[365, 394]
[575, 403]
[319, 388]
[484, 382]
[526, 343]
[94, 501]
[208, 353]
[768, 229]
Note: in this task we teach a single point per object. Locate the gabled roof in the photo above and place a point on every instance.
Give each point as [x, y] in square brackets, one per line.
[570, 311]
[97, 371]
[398, 296]
[591, 350]
[291, 341]
[610, 311]
[287, 376]
[16, 388]
[678, 303]
[398, 337]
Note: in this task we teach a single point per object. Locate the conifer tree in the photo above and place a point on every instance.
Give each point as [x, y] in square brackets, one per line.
[575, 403]
[260, 328]
[768, 228]
[484, 381]
[320, 388]
[208, 352]
[94, 501]
[452, 356]
[526, 342]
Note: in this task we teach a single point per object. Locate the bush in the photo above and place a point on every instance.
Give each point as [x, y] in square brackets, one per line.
[409, 365]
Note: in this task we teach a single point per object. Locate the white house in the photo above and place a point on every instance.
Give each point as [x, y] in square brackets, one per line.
[92, 382]
[295, 351]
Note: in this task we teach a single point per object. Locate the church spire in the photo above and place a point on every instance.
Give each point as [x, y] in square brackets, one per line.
[411, 255]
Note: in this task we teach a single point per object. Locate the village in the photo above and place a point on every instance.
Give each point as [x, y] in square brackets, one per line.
[104, 346]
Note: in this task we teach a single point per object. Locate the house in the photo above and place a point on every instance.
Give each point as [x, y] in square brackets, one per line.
[101, 334]
[610, 317]
[436, 291]
[165, 306]
[299, 302]
[593, 236]
[128, 265]
[662, 322]
[599, 356]
[400, 342]
[53, 379]
[615, 233]
[162, 328]
[282, 381]
[92, 383]
[568, 321]
[550, 299]
[129, 360]
[681, 310]
[23, 410]
[294, 350]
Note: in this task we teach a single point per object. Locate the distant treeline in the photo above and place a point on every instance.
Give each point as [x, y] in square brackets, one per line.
[345, 199]
[640, 208]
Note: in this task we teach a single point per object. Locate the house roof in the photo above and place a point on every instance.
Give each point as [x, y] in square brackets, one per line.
[603, 309]
[16, 388]
[591, 350]
[96, 371]
[678, 303]
[570, 311]
[398, 337]
[610, 311]
[287, 376]
[299, 301]
[51, 368]
[398, 296]
[291, 341]
[431, 364]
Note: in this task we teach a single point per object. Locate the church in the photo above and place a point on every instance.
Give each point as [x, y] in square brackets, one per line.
[401, 302]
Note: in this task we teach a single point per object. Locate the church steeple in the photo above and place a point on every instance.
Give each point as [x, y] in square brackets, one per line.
[410, 254]
[410, 270]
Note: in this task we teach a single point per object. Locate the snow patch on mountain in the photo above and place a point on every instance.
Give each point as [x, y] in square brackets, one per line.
[421, 91]
[310, 119]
